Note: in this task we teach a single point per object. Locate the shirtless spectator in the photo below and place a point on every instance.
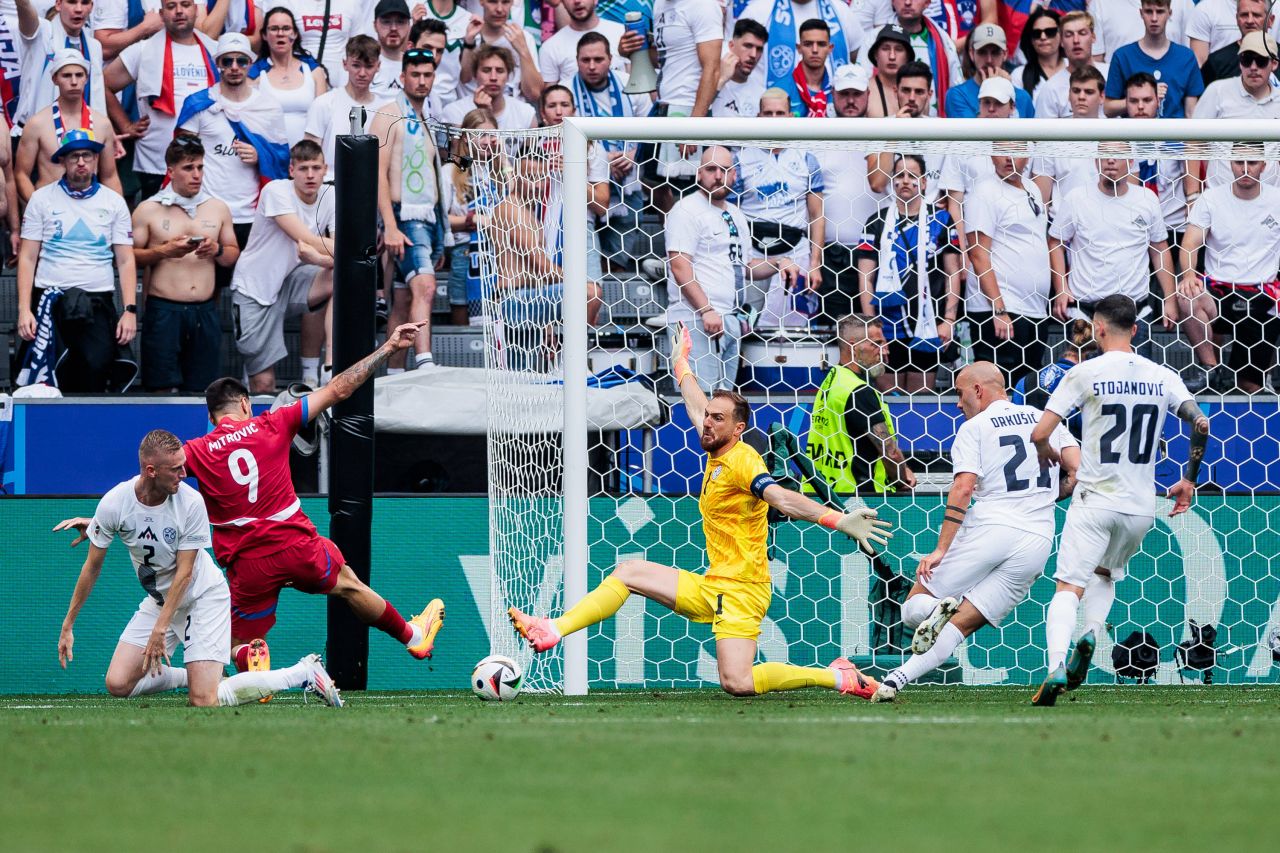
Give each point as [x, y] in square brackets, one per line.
[45, 130]
[182, 233]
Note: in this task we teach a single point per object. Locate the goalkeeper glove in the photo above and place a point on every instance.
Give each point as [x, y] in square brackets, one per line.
[680, 347]
[860, 524]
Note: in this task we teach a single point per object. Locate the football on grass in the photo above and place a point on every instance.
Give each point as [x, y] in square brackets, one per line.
[497, 679]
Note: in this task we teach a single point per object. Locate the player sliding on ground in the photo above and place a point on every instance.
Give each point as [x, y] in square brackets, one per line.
[262, 537]
[988, 554]
[1123, 398]
[162, 522]
[734, 594]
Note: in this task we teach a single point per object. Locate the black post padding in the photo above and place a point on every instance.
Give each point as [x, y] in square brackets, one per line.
[351, 435]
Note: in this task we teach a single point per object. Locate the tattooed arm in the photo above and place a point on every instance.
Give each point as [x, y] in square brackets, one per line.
[1184, 490]
[345, 383]
[895, 462]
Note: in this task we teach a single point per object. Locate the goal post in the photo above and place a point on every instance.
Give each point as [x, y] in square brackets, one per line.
[1185, 140]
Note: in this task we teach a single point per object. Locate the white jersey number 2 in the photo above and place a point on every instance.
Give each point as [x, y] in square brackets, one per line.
[244, 470]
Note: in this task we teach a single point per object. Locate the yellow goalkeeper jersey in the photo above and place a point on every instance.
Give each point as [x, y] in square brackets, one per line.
[735, 520]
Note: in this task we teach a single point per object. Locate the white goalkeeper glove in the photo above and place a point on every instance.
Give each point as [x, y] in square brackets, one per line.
[861, 524]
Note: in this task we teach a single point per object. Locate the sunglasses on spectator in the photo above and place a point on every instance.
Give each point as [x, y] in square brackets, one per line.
[228, 61]
[1253, 60]
[1046, 33]
[420, 53]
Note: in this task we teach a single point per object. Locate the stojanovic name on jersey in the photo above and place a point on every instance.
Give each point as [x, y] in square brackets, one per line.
[1016, 419]
[1118, 386]
[222, 441]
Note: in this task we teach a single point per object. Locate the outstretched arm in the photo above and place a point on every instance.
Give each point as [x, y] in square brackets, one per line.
[89, 573]
[695, 401]
[345, 383]
[958, 498]
[860, 523]
[1184, 490]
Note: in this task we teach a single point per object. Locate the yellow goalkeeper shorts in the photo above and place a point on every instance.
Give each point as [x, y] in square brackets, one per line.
[734, 608]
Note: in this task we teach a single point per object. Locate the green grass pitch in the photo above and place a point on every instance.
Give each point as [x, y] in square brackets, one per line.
[1154, 768]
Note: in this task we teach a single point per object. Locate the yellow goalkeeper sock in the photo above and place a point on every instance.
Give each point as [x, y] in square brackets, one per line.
[769, 677]
[596, 606]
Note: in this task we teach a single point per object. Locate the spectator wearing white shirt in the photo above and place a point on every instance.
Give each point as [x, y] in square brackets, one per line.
[1008, 298]
[116, 24]
[688, 36]
[707, 240]
[496, 28]
[1053, 98]
[493, 66]
[1040, 47]
[742, 77]
[914, 92]
[597, 91]
[1112, 234]
[188, 55]
[1238, 226]
[1213, 26]
[75, 234]
[287, 72]
[330, 114]
[848, 201]
[391, 23]
[1057, 176]
[286, 268]
[1251, 16]
[1254, 94]
[1167, 177]
[453, 20]
[780, 190]
[346, 19]
[40, 40]
[557, 58]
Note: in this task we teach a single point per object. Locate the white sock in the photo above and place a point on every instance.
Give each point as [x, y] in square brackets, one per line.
[1060, 622]
[417, 635]
[1098, 597]
[246, 687]
[917, 665]
[423, 358]
[393, 371]
[311, 371]
[170, 678]
[917, 608]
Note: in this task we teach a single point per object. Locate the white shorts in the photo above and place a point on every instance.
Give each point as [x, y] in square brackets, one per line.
[992, 566]
[1094, 538]
[203, 626]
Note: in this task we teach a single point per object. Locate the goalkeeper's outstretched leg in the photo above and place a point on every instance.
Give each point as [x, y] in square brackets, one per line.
[735, 610]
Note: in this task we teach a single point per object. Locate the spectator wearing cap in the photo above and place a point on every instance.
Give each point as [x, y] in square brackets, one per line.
[182, 234]
[889, 54]
[742, 77]
[989, 53]
[933, 47]
[1251, 16]
[46, 129]
[73, 233]
[786, 20]
[957, 18]
[287, 72]
[1254, 94]
[391, 23]
[1174, 67]
[330, 114]
[597, 91]
[495, 27]
[557, 58]
[848, 202]
[242, 129]
[40, 40]
[1053, 99]
[167, 67]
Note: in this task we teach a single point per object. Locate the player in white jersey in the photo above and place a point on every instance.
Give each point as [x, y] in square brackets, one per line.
[1123, 399]
[163, 523]
[988, 554]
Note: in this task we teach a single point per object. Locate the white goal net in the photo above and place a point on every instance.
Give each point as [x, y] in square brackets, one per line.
[964, 240]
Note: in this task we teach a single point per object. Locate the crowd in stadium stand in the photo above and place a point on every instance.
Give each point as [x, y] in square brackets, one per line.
[189, 146]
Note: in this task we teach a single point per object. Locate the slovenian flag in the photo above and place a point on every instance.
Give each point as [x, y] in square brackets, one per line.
[1013, 18]
[252, 121]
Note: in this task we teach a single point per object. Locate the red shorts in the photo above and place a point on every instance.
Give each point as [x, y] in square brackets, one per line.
[309, 565]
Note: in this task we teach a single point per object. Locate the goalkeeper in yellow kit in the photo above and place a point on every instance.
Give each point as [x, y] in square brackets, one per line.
[734, 594]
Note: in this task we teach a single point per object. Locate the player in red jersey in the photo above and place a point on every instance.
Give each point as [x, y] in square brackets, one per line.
[261, 536]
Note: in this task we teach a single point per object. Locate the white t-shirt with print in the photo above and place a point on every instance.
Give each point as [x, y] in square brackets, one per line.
[1109, 239]
[558, 56]
[226, 176]
[190, 75]
[77, 237]
[1016, 220]
[347, 18]
[1242, 238]
[37, 89]
[271, 253]
[699, 230]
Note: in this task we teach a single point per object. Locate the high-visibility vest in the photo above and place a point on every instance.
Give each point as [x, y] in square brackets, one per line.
[829, 445]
